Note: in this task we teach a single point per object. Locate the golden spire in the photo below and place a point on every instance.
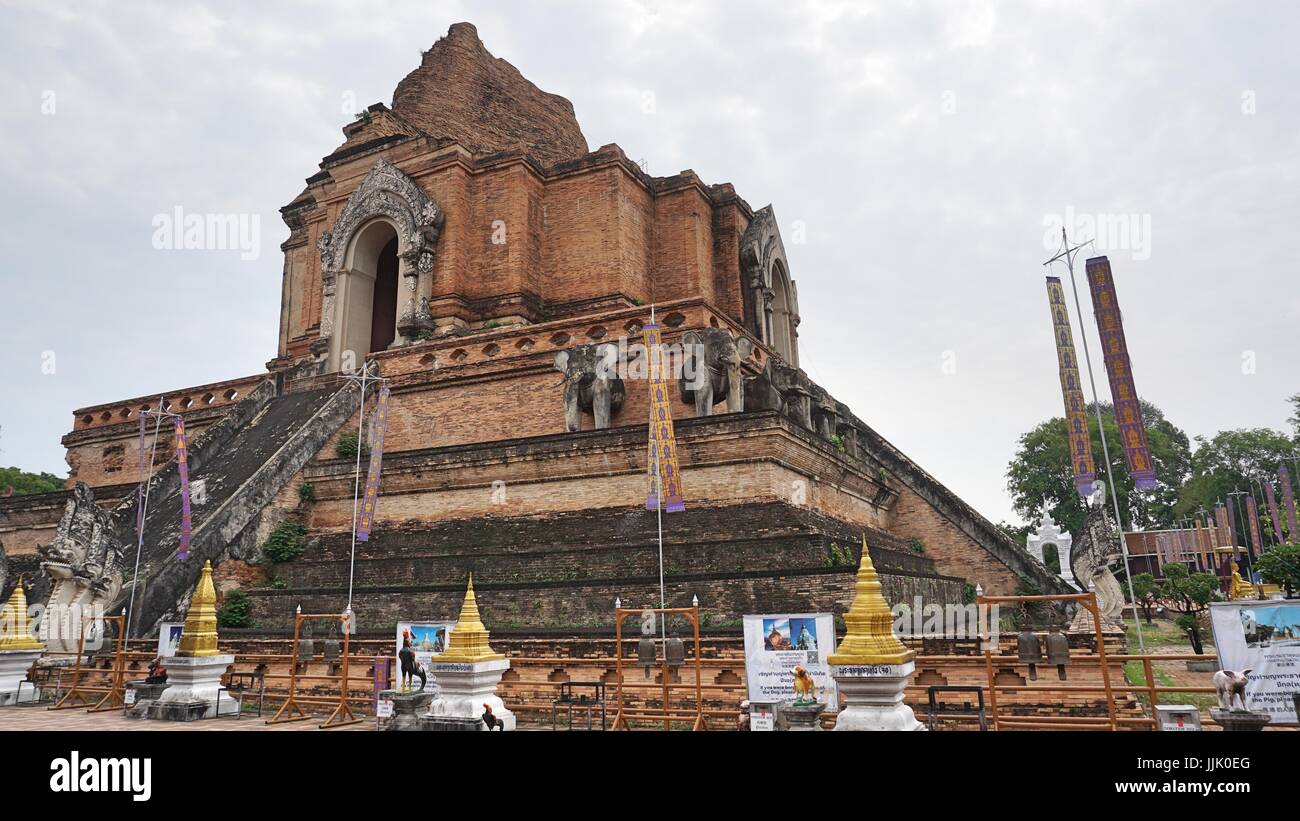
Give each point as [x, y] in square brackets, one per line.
[870, 635]
[199, 635]
[15, 629]
[468, 641]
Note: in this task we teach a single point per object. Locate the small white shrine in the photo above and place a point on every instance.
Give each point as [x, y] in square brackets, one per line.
[1049, 533]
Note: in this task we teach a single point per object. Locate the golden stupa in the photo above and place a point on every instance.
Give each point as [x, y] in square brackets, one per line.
[199, 635]
[468, 641]
[870, 635]
[15, 629]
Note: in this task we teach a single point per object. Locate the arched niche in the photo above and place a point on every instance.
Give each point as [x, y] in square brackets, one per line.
[388, 221]
[771, 301]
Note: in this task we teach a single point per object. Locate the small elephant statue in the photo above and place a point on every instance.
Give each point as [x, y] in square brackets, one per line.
[711, 369]
[591, 384]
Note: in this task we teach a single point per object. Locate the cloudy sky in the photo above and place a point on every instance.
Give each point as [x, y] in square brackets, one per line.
[924, 150]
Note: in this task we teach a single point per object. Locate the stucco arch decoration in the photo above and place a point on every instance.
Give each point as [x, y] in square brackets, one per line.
[386, 193]
[762, 263]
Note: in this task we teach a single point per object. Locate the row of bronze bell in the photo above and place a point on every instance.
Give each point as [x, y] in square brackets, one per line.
[330, 649]
[1031, 652]
[647, 654]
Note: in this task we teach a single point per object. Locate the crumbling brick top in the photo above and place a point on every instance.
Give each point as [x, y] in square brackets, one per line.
[461, 92]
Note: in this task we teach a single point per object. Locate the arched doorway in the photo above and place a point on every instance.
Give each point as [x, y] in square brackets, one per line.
[782, 331]
[383, 316]
[368, 293]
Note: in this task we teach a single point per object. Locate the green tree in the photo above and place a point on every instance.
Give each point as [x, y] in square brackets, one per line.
[1042, 470]
[1233, 460]
[27, 484]
[1190, 594]
[1281, 566]
[1145, 593]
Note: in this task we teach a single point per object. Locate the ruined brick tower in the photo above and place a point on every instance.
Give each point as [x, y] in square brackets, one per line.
[467, 243]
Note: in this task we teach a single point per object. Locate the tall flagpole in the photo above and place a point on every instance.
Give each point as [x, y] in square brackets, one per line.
[1068, 254]
[656, 362]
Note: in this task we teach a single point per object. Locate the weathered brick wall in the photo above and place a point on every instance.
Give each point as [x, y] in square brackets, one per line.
[565, 570]
[954, 553]
[725, 459]
[103, 448]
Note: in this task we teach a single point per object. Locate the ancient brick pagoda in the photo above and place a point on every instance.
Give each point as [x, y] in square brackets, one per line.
[468, 244]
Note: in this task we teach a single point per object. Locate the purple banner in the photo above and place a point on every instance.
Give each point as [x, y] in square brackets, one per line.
[1256, 539]
[379, 427]
[1232, 520]
[1288, 496]
[1221, 526]
[1273, 512]
[1123, 391]
[183, 468]
[139, 491]
[1076, 413]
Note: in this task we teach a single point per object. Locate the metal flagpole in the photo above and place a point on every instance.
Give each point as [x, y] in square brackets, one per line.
[1069, 254]
[362, 382]
[656, 362]
[1250, 568]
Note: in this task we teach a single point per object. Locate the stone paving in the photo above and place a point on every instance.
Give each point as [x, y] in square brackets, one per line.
[40, 718]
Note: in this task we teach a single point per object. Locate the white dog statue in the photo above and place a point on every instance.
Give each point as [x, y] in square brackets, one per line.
[1230, 685]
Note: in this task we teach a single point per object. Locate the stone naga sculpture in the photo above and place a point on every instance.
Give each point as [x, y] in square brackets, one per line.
[1229, 685]
[591, 384]
[1095, 553]
[711, 369]
[84, 565]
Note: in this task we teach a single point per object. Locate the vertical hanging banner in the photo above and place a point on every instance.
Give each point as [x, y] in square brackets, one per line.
[1232, 521]
[663, 444]
[379, 427]
[1076, 412]
[1123, 391]
[1288, 496]
[183, 469]
[1221, 522]
[1256, 537]
[1273, 512]
[139, 491]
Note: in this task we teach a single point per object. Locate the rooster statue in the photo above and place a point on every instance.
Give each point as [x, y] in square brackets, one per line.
[491, 721]
[410, 667]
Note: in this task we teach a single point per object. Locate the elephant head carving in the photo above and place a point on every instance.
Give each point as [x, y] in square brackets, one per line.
[591, 384]
[711, 369]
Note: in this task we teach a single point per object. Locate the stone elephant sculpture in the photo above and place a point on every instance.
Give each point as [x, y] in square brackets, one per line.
[782, 388]
[711, 360]
[591, 384]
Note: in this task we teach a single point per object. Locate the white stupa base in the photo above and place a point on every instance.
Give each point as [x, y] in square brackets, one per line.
[463, 689]
[14, 665]
[192, 693]
[873, 698]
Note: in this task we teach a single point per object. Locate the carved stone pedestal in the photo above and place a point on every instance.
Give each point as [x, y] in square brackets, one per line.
[451, 724]
[464, 687]
[192, 689]
[873, 696]
[14, 665]
[1239, 721]
[408, 709]
[145, 695]
[802, 717]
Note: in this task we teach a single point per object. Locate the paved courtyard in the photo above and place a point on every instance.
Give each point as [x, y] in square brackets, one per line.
[40, 718]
